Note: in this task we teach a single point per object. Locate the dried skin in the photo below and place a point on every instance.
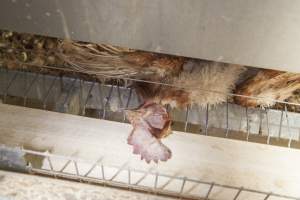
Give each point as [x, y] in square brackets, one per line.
[150, 122]
[267, 86]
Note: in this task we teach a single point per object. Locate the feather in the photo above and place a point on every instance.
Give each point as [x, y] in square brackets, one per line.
[208, 83]
[98, 59]
[267, 86]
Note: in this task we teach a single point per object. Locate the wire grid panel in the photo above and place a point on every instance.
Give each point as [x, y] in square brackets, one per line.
[149, 181]
[75, 96]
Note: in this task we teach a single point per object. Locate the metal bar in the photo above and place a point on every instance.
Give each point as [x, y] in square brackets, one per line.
[268, 128]
[76, 167]
[127, 104]
[206, 120]
[136, 170]
[55, 173]
[65, 165]
[138, 188]
[43, 84]
[171, 178]
[8, 86]
[100, 90]
[238, 193]
[179, 35]
[182, 186]
[93, 167]
[129, 176]
[107, 102]
[50, 163]
[6, 78]
[29, 88]
[120, 98]
[156, 180]
[209, 190]
[69, 92]
[280, 126]
[288, 126]
[227, 117]
[247, 118]
[195, 185]
[48, 92]
[119, 171]
[25, 78]
[114, 184]
[268, 196]
[80, 94]
[143, 177]
[102, 172]
[260, 122]
[186, 118]
[167, 84]
[87, 98]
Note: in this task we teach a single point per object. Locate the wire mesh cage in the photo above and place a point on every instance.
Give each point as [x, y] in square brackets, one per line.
[150, 181]
[60, 89]
[110, 99]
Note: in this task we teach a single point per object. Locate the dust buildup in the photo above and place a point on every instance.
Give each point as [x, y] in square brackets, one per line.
[19, 50]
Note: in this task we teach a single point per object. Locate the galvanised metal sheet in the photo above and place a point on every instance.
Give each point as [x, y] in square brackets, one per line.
[251, 32]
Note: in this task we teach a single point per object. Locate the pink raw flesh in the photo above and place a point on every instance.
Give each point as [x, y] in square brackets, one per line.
[150, 122]
[148, 146]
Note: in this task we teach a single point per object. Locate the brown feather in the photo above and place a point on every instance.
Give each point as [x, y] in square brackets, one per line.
[267, 86]
[209, 83]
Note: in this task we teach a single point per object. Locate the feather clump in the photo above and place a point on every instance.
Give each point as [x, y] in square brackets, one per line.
[99, 59]
[209, 83]
[267, 86]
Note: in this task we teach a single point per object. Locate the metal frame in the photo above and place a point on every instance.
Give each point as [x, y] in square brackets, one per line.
[103, 178]
[250, 33]
[89, 87]
[156, 188]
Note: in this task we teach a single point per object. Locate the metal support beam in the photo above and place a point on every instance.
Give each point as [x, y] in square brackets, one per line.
[255, 33]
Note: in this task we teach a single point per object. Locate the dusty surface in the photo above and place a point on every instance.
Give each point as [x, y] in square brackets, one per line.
[15, 186]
